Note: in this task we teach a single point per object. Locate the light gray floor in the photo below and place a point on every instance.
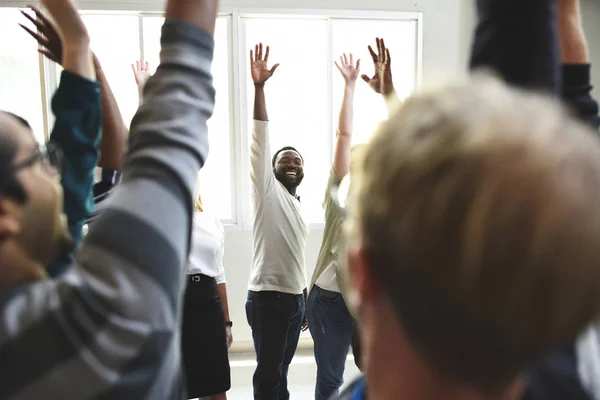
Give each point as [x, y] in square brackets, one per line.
[302, 376]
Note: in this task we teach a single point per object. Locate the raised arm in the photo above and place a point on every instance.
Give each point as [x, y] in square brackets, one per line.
[517, 39]
[76, 108]
[261, 170]
[114, 316]
[343, 142]
[575, 58]
[382, 82]
[114, 130]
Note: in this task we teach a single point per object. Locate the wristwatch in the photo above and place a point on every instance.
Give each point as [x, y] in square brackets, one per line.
[229, 324]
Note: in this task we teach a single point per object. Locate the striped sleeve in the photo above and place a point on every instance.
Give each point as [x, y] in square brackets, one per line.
[107, 328]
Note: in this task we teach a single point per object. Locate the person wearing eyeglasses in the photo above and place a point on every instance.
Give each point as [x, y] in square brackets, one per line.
[109, 326]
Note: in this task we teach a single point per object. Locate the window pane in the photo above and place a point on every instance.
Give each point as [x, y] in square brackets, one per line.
[353, 36]
[216, 176]
[296, 97]
[20, 91]
[107, 30]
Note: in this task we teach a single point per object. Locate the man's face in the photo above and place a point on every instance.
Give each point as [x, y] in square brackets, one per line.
[289, 169]
[42, 233]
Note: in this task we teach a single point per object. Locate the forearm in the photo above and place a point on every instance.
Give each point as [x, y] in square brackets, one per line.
[201, 13]
[517, 39]
[76, 108]
[341, 155]
[260, 103]
[346, 117]
[573, 44]
[114, 131]
[77, 58]
[222, 288]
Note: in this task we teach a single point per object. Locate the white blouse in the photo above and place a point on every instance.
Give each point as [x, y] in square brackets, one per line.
[208, 243]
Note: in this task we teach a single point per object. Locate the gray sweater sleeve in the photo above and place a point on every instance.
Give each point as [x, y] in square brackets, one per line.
[108, 328]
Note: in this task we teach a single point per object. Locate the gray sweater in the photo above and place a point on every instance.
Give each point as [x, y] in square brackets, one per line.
[108, 328]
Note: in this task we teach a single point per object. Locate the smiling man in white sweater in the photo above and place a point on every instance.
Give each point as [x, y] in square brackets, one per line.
[277, 286]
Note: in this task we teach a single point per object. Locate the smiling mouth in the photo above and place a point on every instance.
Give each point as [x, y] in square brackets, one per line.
[291, 174]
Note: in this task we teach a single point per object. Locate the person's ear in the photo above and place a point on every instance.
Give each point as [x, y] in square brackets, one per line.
[362, 285]
[10, 217]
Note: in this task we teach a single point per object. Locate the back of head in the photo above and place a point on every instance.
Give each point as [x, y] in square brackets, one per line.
[477, 207]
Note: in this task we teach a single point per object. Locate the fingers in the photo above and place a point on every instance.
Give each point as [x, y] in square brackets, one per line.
[351, 59]
[373, 55]
[338, 66]
[358, 64]
[133, 69]
[147, 66]
[345, 59]
[365, 78]
[274, 68]
[260, 51]
[39, 15]
[48, 54]
[251, 56]
[42, 40]
[388, 59]
[37, 22]
[267, 54]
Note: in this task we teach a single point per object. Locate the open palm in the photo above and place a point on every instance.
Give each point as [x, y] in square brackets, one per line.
[347, 68]
[258, 65]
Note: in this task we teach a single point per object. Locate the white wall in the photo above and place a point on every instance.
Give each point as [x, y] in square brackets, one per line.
[446, 31]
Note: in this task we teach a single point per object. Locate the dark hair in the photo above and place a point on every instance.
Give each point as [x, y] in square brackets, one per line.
[9, 185]
[281, 150]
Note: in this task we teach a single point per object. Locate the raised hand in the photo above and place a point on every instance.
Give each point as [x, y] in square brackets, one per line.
[69, 26]
[347, 68]
[47, 37]
[258, 65]
[141, 72]
[381, 82]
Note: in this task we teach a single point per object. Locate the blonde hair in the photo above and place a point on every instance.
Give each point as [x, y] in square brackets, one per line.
[478, 210]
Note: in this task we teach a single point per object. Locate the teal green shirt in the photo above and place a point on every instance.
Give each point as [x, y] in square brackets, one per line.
[78, 117]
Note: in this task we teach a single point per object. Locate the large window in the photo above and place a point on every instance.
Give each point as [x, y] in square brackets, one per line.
[215, 179]
[354, 36]
[297, 97]
[303, 98]
[21, 86]
[115, 39]
[303, 108]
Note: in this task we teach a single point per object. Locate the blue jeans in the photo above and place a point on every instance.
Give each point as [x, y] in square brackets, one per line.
[332, 329]
[276, 320]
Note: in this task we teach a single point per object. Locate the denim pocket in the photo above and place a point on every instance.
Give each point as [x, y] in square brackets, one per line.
[326, 296]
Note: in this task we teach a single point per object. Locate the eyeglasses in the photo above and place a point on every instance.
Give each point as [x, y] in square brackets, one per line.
[50, 155]
[339, 195]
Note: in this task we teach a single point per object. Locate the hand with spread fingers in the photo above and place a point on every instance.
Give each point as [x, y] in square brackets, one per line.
[46, 35]
[348, 69]
[382, 81]
[141, 73]
[258, 65]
